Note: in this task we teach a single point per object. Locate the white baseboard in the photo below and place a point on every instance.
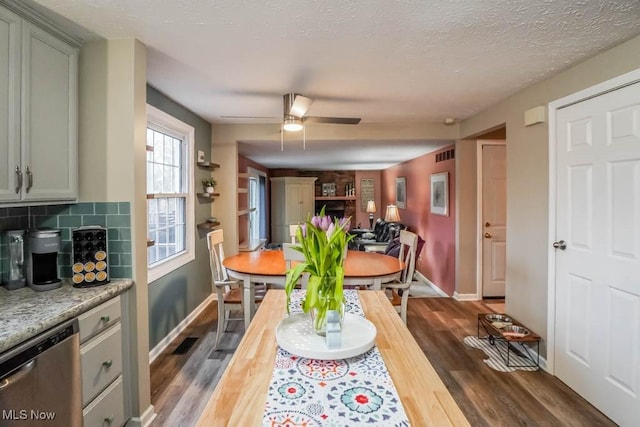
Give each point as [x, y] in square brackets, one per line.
[421, 277]
[466, 297]
[162, 345]
[144, 420]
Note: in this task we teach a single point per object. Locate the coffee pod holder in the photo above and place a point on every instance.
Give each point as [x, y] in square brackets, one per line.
[90, 257]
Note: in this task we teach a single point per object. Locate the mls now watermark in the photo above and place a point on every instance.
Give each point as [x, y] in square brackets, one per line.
[23, 414]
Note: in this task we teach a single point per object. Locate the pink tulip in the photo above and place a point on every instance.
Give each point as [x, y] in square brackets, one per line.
[330, 230]
[345, 223]
[325, 222]
[316, 221]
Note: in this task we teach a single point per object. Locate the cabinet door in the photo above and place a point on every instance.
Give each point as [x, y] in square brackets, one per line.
[300, 202]
[49, 116]
[9, 105]
[295, 201]
[307, 196]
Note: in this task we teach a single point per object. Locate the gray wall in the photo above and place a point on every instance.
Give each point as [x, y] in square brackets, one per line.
[173, 297]
[528, 176]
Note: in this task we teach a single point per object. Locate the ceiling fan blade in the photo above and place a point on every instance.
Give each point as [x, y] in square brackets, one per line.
[249, 117]
[335, 120]
[296, 105]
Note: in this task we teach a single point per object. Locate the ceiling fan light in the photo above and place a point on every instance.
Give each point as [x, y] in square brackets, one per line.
[292, 124]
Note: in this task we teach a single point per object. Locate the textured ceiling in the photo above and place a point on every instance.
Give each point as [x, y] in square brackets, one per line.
[381, 60]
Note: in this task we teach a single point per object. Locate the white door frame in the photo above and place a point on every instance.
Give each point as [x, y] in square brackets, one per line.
[479, 224]
[591, 92]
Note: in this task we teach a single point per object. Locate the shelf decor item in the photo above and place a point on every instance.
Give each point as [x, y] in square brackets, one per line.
[209, 184]
[323, 242]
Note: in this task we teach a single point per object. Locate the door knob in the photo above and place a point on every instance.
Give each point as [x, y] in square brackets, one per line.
[560, 244]
[487, 235]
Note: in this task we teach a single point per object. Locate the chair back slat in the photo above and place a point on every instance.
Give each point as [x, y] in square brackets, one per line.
[291, 254]
[408, 247]
[293, 229]
[215, 240]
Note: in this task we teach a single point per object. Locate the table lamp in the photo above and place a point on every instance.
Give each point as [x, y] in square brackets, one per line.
[371, 208]
[393, 214]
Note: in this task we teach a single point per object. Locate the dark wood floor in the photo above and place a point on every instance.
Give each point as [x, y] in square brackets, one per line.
[181, 384]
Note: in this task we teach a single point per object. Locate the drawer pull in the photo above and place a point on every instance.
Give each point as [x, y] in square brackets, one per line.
[107, 363]
[109, 420]
[105, 319]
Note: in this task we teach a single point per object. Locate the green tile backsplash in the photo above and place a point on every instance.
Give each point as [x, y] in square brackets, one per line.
[116, 216]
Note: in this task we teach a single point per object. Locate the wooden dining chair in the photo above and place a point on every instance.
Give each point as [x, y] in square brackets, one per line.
[399, 290]
[291, 254]
[228, 291]
[293, 229]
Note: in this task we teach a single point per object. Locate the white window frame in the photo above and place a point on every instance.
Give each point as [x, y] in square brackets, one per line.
[168, 124]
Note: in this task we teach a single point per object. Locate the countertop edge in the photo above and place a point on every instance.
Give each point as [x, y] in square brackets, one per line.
[25, 313]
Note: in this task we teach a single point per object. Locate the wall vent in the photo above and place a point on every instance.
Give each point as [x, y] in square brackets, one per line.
[446, 155]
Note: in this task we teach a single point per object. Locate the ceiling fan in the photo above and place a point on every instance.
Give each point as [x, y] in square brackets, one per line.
[295, 106]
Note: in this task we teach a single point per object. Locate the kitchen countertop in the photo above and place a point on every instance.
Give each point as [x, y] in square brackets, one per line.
[25, 313]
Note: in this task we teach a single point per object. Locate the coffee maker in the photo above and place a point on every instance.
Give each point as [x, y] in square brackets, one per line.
[41, 260]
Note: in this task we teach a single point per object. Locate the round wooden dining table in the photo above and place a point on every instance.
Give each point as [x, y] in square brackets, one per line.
[268, 266]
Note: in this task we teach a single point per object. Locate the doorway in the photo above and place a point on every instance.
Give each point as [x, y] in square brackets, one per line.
[492, 179]
[490, 215]
[257, 205]
[594, 260]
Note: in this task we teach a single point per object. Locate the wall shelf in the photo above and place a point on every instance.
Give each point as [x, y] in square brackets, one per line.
[208, 195]
[245, 211]
[208, 165]
[336, 198]
[208, 225]
[251, 246]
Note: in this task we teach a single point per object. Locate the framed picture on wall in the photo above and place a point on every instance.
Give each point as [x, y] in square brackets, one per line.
[401, 193]
[440, 193]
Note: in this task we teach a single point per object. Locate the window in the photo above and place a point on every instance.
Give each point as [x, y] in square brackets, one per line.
[257, 228]
[170, 193]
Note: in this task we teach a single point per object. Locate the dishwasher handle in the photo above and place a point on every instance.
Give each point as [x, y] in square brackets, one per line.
[18, 374]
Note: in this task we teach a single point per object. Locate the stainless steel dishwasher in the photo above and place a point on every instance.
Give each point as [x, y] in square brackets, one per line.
[40, 380]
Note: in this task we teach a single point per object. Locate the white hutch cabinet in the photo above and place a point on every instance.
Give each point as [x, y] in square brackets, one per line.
[292, 200]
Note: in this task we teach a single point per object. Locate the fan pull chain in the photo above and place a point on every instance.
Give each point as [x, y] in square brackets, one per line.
[282, 136]
[304, 138]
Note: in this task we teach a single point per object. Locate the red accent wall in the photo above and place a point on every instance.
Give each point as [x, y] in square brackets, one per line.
[437, 259]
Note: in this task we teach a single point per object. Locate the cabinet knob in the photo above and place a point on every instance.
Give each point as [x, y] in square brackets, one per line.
[105, 319]
[107, 363]
[487, 235]
[109, 419]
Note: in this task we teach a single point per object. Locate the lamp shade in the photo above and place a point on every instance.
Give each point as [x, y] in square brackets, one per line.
[393, 214]
[371, 206]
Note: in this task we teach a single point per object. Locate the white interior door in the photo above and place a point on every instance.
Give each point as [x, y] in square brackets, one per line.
[494, 220]
[597, 278]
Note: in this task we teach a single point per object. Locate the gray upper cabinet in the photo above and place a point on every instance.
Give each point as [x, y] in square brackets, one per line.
[10, 35]
[38, 113]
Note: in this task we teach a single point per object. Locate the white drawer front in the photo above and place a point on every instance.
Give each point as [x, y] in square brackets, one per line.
[99, 318]
[107, 410]
[101, 360]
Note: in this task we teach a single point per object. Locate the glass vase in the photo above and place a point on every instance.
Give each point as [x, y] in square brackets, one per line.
[326, 301]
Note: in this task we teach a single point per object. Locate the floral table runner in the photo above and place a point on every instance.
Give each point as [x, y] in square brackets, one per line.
[347, 392]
